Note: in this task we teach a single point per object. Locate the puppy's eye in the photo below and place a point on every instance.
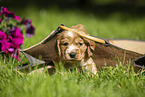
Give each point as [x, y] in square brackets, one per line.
[65, 44]
[80, 44]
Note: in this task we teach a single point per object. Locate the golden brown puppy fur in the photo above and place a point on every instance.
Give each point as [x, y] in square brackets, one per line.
[75, 51]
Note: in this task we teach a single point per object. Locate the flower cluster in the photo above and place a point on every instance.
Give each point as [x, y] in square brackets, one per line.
[11, 32]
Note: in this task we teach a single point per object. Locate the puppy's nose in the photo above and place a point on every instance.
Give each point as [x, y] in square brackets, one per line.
[72, 55]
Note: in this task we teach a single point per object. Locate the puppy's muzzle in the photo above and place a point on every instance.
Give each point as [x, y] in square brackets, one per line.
[72, 55]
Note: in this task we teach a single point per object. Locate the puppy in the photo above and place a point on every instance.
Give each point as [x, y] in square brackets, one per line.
[75, 51]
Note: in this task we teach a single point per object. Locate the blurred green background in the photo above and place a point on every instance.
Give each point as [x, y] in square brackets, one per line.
[101, 18]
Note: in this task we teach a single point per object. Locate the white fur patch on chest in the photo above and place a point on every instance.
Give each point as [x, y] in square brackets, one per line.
[70, 34]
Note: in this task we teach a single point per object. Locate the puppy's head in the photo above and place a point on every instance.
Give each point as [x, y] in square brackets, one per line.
[72, 47]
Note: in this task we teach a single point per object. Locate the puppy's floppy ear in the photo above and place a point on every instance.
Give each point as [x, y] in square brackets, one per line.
[58, 45]
[90, 47]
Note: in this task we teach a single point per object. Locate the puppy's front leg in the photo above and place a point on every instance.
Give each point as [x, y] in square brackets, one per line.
[91, 66]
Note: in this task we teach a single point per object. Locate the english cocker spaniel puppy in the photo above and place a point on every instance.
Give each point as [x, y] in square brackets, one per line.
[75, 51]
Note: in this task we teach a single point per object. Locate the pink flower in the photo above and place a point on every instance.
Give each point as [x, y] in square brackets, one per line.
[4, 42]
[9, 14]
[16, 38]
[12, 38]
[3, 10]
[4, 45]
[11, 45]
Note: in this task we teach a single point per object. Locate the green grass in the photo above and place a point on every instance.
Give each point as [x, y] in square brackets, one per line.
[111, 82]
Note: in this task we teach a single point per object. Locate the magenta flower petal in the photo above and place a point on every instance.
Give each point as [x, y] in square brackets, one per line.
[9, 14]
[16, 37]
[5, 45]
[0, 20]
[3, 10]
[6, 12]
[17, 18]
[2, 35]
